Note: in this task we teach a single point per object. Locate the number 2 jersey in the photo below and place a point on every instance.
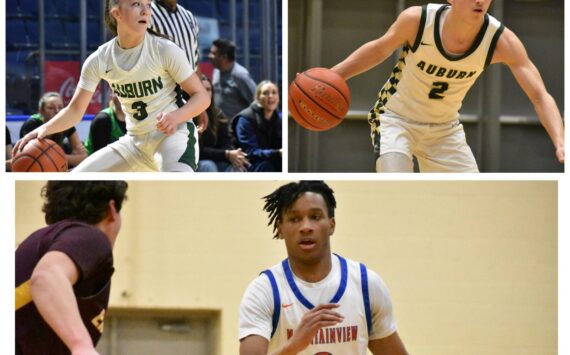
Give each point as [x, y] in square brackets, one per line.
[274, 304]
[144, 78]
[428, 85]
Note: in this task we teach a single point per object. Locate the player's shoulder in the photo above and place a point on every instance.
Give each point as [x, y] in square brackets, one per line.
[412, 13]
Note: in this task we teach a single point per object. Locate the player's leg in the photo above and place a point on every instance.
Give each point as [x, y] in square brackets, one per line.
[395, 145]
[447, 151]
[394, 162]
[105, 159]
[179, 151]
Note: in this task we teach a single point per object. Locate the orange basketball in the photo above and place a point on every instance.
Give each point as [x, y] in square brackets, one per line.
[40, 155]
[318, 99]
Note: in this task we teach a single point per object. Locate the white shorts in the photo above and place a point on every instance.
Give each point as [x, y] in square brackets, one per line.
[153, 151]
[440, 147]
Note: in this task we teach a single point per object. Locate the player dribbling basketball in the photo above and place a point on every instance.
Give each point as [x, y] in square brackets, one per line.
[314, 302]
[143, 70]
[445, 48]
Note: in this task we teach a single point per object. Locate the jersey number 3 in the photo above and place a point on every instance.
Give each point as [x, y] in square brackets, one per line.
[141, 110]
[439, 87]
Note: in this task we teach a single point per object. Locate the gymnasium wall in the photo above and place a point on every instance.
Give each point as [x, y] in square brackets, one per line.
[471, 266]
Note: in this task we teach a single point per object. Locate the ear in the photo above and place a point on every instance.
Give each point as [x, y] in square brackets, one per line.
[279, 235]
[112, 213]
[332, 222]
[115, 12]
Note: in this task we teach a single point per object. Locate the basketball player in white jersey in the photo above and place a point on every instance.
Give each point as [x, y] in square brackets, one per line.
[314, 302]
[142, 70]
[445, 49]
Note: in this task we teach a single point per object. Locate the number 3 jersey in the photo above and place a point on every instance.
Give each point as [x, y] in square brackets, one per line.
[274, 304]
[428, 84]
[144, 78]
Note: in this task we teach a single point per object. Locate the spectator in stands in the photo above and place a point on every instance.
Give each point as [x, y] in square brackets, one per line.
[107, 127]
[233, 86]
[8, 150]
[49, 105]
[180, 25]
[216, 151]
[258, 129]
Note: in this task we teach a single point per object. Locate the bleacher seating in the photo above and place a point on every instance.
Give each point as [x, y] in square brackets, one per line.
[62, 33]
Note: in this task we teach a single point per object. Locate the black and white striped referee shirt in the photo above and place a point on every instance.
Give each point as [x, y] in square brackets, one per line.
[180, 25]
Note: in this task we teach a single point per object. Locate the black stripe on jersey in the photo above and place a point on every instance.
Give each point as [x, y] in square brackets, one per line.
[181, 25]
[420, 29]
[494, 44]
[474, 46]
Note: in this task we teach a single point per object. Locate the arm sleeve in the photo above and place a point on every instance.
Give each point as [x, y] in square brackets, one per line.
[175, 61]
[90, 73]
[245, 132]
[86, 246]
[383, 322]
[100, 131]
[256, 309]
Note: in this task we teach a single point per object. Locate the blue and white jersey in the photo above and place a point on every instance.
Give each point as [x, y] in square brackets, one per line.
[274, 304]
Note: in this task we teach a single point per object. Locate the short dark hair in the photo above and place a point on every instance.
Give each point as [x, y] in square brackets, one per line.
[226, 47]
[280, 201]
[85, 201]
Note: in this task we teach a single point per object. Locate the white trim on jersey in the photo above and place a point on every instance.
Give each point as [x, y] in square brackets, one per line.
[259, 313]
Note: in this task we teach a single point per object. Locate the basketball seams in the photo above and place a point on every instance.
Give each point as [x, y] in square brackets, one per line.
[315, 102]
[40, 156]
[305, 121]
[346, 100]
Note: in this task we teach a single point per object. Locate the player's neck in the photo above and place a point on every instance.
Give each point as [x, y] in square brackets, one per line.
[457, 34]
[311, 272]
[129, 40]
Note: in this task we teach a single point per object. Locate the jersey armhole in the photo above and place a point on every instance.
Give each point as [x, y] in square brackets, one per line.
[420, 29]
[493, 45]
[276, 301]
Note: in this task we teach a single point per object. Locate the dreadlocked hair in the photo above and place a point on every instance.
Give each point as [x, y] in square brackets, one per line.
[280, 201]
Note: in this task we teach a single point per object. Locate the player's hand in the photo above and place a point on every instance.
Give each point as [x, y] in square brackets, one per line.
[560, 154]
[202, 122]
[319, 317]
[40, 133]
[166, 123]
[238, 159]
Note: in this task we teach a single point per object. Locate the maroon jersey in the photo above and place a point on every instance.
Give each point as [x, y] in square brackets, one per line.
[91, 252]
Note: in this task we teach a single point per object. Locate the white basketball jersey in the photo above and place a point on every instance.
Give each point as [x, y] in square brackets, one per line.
[150, 87]
[348, 337]
[427, 84]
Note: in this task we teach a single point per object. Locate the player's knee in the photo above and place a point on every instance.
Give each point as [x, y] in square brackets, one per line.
[394, 162]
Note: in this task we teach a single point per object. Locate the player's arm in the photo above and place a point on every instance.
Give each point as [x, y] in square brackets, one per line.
[511, 51]
[402, 31]
[51, 286]
[78, 152]
[198, 102]
[319, 317]
[390, 345]
[65, 119]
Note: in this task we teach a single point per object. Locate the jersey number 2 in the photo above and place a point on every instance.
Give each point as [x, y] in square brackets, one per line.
[141, 110]
[439, 87]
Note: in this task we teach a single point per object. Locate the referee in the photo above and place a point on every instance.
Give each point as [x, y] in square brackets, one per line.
[180, 25]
